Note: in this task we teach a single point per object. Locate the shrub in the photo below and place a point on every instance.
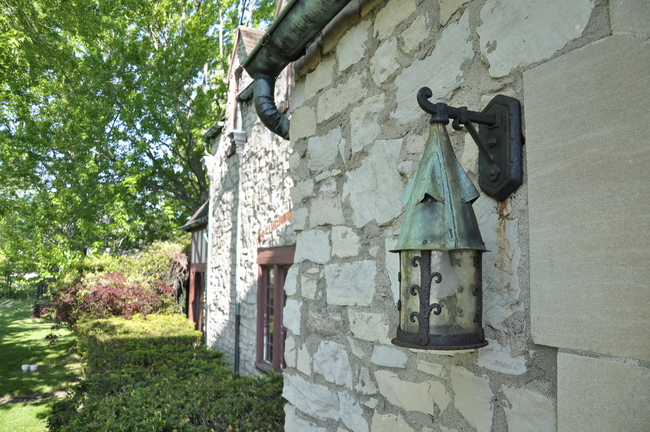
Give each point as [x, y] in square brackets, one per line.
[150, 374]
[109, 296]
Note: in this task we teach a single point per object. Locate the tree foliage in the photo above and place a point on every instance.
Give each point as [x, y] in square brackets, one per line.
[102, 108]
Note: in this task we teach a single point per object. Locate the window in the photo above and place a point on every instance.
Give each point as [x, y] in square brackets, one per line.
[274, 264]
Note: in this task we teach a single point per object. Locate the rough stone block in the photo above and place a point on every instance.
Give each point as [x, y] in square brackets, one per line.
[498, 358]
[391, 16]
[352, 46]
[303, 123]
[384, 62]
[473, 398]
[326, 209]
[375, 188]
[351, 283]
[291, 315]
[412, 396]
[310, 398]
[319, 78]
[293, 423]
[322, 151]
[331, 360]
[389, 423]
[602, 395]
[589, 197]
[313, 246]
[364, 122]
[337, 99]
[369, 326]
[388, 356]
[529, 411]
[441, 71]
[345, 242]
[515, 34]
[414, 34]
[448, 8]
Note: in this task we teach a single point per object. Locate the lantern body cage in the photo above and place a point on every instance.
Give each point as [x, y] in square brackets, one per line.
[440, 304]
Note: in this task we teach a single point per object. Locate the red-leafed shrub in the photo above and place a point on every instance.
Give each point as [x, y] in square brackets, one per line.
[111, 295]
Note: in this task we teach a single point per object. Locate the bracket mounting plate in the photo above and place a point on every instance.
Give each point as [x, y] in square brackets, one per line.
[504, 142]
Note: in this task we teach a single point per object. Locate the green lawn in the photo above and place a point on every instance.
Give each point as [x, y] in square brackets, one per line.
[22, 341]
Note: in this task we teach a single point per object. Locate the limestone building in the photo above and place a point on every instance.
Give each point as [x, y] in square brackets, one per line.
[565, 278]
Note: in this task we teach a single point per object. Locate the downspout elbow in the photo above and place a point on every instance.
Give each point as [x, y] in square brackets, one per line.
[273, 119]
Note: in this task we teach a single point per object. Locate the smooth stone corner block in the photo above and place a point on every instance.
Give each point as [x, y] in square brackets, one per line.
[589, 194]
[601, 395]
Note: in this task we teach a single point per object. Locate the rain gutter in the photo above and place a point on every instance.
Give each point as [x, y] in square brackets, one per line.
[285, 41]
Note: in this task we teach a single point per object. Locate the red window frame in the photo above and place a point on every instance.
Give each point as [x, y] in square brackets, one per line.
[273, 265]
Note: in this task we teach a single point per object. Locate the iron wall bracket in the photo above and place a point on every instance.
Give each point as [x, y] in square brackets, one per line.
[499, 139]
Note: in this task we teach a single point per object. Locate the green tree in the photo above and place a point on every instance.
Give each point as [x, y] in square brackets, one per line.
[102, 108]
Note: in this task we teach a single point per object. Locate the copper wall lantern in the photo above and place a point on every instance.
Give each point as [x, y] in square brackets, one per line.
[440, 245]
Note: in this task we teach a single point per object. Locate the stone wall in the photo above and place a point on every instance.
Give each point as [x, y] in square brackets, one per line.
[357, 136]
[250, 206]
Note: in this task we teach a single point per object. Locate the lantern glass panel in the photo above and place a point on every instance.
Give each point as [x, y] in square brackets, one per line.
[457, 290]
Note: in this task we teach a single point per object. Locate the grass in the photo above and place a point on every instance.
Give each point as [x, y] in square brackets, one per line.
[22, 341]
[24, 417]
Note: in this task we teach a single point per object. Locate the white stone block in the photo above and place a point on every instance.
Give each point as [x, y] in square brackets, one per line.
[352, 46]
[304, 361]
[374, 189]
[313, 399]
[366, 384]
[441, 71]
[291, 315]
[369, 326]
[355, 349]
[389, 423]
[320, 78]
[303, 123]
[384, 62]
[312, 246]
[473, 398]
[291, 281]
[337, 99]
[352, 414]
[529, 411]
[448, 8]
[391, 16]
[290, 351]
[392, 267]
[293, 423]
[331, 360]
[409, 395]
[364, 122]
[299, 219]
[326, 209]
[322, 151]
[351, 283]
[302, 190]
[517, 34]
[388, 356]
[498, 358]
[308, 286]
[414, 34]
[501, 264]
[345, 242]
[434, 369]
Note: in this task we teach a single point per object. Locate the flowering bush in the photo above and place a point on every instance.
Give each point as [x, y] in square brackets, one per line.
[111, 295]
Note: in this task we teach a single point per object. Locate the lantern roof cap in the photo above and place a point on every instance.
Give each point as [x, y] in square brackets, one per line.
[439, 213]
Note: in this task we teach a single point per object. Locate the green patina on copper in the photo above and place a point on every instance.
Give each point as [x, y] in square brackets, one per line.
[439, 214]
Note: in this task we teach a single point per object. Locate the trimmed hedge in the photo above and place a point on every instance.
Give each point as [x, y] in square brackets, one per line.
[152, 375]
